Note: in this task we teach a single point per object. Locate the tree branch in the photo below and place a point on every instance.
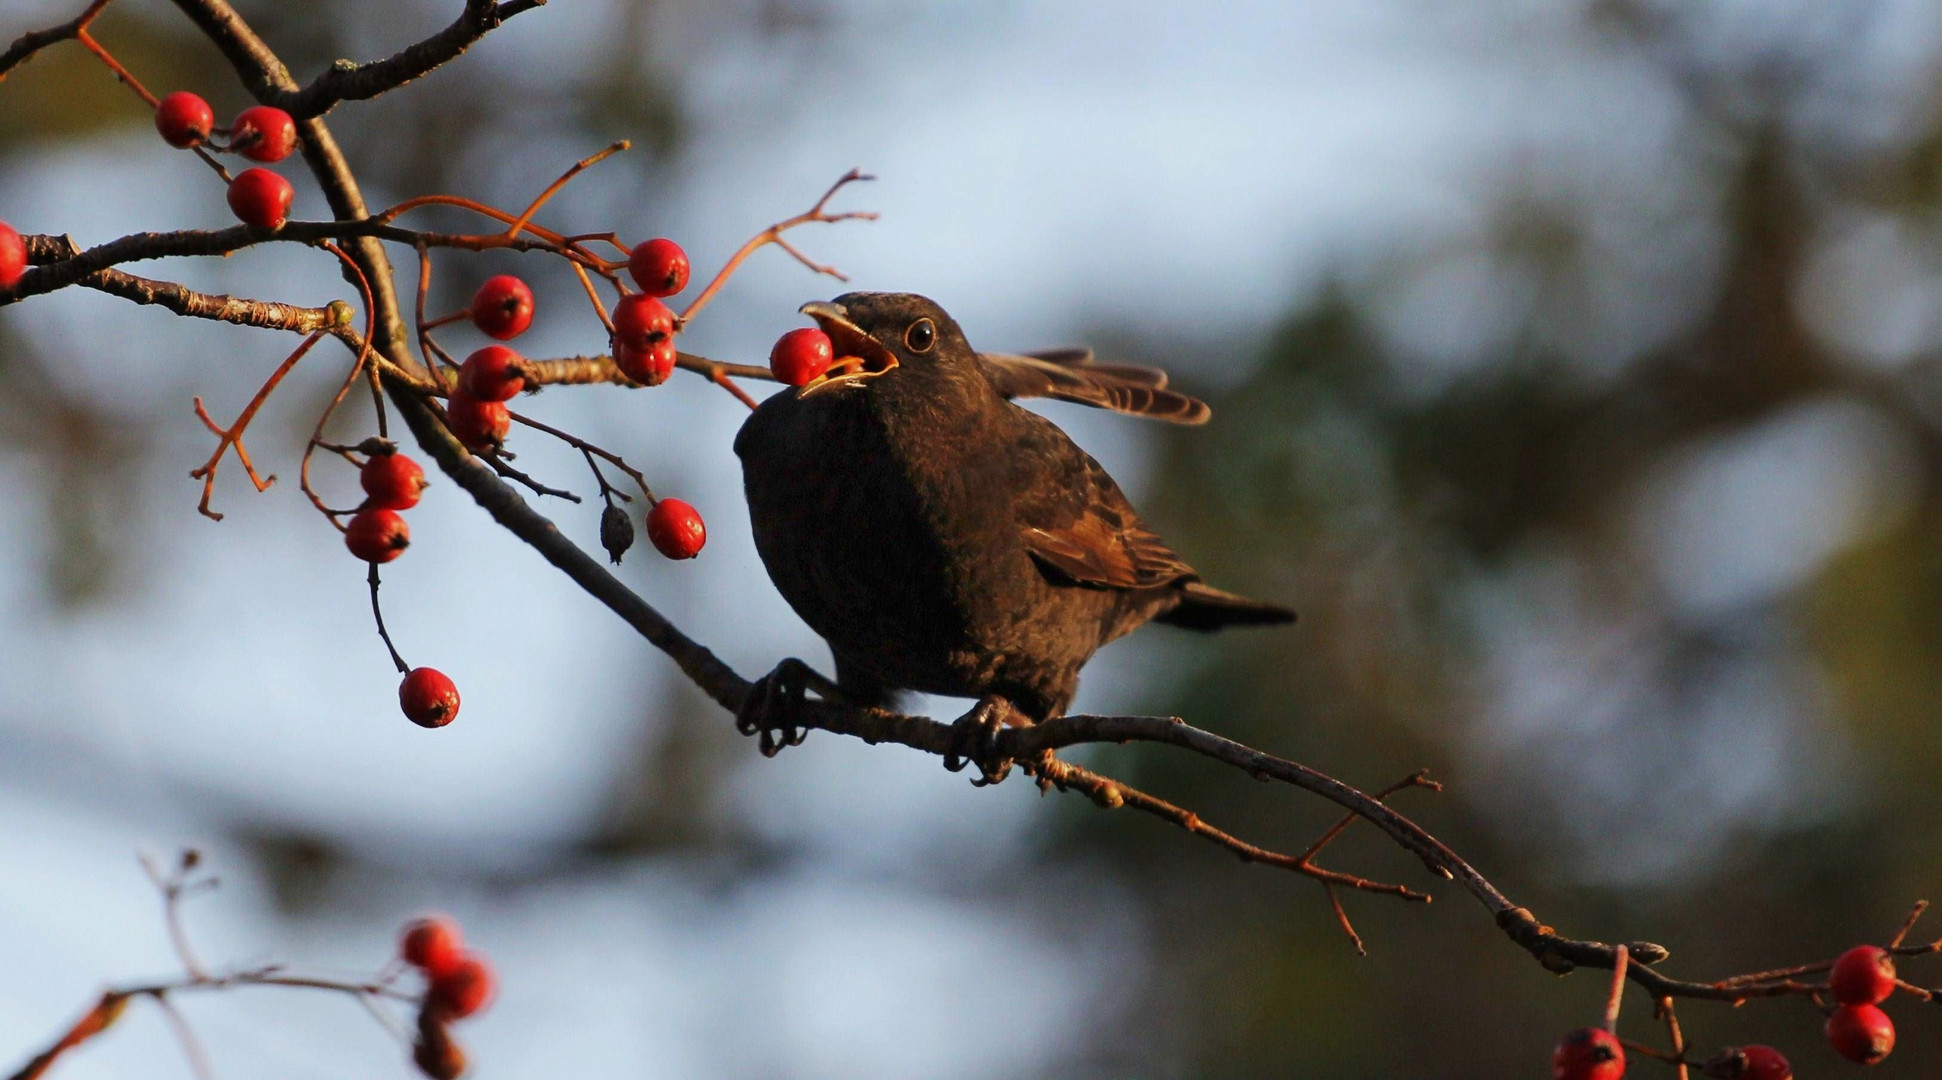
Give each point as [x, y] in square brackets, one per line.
[182, 300]
[136, 247]
[33, 41]
[588, 370]
[349, 81]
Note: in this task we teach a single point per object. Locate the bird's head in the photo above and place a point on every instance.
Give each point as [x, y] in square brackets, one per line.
[880, 333]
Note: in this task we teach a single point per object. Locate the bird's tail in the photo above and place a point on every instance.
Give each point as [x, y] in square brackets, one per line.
[1204, 608]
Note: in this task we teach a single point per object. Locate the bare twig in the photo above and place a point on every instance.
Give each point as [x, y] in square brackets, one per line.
[33, 41]
[773, 235]
[232, 435]
[566, 178]
[347, 81]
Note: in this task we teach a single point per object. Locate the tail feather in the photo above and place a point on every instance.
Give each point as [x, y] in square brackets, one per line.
[1205, 608]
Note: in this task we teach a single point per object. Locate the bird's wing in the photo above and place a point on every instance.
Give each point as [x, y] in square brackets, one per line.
[1073, 375]
[1080, 524]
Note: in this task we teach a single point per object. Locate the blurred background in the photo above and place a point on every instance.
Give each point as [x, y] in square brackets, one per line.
[1575, 374]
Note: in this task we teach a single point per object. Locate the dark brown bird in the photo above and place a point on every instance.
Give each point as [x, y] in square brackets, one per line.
[944, 539]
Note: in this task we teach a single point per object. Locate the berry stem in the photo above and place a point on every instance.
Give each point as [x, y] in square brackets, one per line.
[210, 160]
[599, 308]
[1614, 999]
[378, 614]
[586, 447]
[1672, 1030]
[720, 378]
[87, 40]
[317, 440]
[607, 491]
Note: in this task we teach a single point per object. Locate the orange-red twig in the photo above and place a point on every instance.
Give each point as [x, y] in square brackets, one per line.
[1908, 924]
[1617, 995]
[720, 378]
[565, 178]
[566, 248]
[1678, 1037]
[773, 235]
[86, 39]
[599, 308]
[233, 434]
[95, 1021]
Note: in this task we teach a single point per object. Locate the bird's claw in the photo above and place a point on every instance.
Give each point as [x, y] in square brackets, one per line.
[974, 740]
[773, 704]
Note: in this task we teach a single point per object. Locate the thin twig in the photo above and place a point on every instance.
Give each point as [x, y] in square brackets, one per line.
[33, 41]
[586, 447]
[192, 1050]
[773, 235]
[566, 178]
[233, 434]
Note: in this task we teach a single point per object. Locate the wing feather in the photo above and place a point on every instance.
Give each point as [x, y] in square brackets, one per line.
[1073, 375]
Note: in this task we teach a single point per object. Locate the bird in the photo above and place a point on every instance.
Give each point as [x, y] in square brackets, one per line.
[942, 538]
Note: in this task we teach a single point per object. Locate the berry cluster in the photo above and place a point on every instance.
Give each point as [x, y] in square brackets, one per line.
[643, 343]
[262, 133]
[377, 533]
[458, 983]
[1859, 980]
[644, 327]
[478, 416]
[1857, 1029]
[476, 411]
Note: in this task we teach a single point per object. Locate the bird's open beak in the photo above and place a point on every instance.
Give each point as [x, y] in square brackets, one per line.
[858, 355]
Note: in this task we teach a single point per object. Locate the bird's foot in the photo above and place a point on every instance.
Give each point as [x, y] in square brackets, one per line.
[774, 703]
[974, 741]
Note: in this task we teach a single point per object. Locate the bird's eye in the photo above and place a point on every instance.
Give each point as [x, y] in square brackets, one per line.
[921, 335]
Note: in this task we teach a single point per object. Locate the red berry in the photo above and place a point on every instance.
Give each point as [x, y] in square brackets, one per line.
[184, 119]
[261, 198]
[429, 699]
[801, 355]
[676, 529]
[651, 365]
[432, 943]
[377, 535]
[1588, 1054]
[492, 374]
[659, 267]
[641, 320]
[1860, 1033]
[13, 256]
[465, 989]
[503, 307]
[1864, 975]
[393, 481]
[480, 425]
[263, 133]
[1765, 1063]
